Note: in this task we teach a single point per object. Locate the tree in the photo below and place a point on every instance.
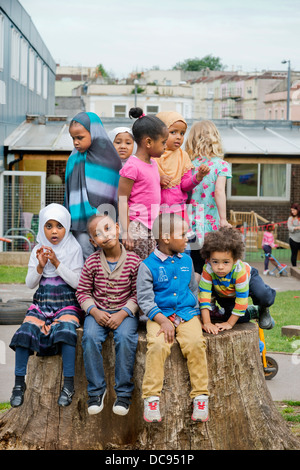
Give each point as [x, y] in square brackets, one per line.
[196, 64]
[101, 72]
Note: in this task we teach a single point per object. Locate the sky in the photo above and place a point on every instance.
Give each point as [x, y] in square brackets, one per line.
[136, 35]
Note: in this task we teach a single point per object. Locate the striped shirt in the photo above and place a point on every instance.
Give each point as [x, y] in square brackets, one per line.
[106, 289]
[234, 284]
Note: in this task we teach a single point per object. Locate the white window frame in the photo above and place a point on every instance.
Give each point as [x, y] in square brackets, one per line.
[31, 66]
[24, 62]
[45, 82]
[1, 42]
[15, 55]
[152, 105]
[261, 198]
[38, 76]
[120, 104]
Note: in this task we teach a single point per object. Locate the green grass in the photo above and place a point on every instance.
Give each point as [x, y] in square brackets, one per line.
[12, 274]
[285, 311]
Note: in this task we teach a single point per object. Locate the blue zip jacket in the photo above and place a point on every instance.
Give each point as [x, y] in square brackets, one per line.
[167, 285]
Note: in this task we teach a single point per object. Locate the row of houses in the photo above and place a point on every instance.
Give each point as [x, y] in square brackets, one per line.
[35, 110]
[196, 95]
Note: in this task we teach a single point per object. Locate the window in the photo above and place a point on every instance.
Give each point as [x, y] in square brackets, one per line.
[31, 69]
[120, 110]
[24, 62]
[15, 55]
[150, 109]
[254, 181]
[1, 42]
[38, 76]
[45, 82]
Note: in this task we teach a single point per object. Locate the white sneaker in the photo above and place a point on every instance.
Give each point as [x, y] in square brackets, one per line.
[200, 408]
[151, 410]
[121, 406]
[266, 272]
[95, 404]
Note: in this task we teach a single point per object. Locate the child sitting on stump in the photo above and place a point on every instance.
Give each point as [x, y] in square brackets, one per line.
[231, 281]
[167, 295]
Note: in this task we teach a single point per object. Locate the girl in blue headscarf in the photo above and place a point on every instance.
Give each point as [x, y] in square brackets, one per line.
[92, 175]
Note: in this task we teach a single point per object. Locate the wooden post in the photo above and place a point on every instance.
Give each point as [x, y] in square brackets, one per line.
[242, 413]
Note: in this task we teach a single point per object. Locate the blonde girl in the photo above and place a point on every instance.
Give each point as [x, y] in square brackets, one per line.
[208, 200]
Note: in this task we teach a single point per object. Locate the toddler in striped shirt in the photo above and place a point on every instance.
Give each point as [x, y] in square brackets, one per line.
[230, 281]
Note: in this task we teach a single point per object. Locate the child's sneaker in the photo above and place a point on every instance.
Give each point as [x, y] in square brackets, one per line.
[96, 403]
[121, 406]
[200, 408]
[266, 271]
[151, 410]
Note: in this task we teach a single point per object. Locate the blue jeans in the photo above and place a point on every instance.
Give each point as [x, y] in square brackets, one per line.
[125, 339]
[260, 293]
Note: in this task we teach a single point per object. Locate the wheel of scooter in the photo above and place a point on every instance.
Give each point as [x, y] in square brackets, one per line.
[272, 368]
[277, 274]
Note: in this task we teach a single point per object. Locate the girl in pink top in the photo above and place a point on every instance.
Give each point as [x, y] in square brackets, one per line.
[175, 167]
[139, 186]
[267, 245]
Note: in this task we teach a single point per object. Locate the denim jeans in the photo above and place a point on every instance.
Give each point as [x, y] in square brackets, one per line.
[125, 339]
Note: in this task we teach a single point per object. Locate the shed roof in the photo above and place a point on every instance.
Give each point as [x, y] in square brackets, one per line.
[238, 137]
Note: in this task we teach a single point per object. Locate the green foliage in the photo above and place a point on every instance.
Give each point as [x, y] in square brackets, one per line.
[196, 64]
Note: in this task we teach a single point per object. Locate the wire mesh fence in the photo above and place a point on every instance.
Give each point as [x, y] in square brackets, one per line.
[22, 201]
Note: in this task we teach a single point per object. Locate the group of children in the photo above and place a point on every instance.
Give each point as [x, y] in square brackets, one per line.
[173, 233]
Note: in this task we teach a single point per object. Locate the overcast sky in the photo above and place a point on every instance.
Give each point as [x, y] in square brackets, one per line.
[135, 35]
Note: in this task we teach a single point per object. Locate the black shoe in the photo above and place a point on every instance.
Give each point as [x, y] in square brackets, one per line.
[121, 406]
[265, 320]
[17, 396]
[96, 403]
[65, 397]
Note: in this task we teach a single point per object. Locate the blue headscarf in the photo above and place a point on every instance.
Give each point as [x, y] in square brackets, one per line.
[92, 177]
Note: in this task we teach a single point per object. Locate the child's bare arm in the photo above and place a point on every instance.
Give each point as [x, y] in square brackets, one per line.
[124, 191]
[208, 326]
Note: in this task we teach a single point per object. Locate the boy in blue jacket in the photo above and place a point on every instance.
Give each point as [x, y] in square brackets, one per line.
[167, 294]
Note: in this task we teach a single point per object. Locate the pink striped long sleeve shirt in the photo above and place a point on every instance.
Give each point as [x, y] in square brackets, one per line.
[109, 290]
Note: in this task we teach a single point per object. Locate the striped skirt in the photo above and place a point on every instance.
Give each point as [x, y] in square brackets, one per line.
[52, 319]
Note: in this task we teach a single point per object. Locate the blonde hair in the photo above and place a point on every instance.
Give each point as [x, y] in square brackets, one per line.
[204, 139]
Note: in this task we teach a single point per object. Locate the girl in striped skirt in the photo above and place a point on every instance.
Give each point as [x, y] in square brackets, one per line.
[51, 321]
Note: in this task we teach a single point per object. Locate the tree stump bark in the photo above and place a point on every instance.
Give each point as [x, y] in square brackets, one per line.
[242, 413]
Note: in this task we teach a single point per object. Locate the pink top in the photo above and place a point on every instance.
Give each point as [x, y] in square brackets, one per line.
[174, 199]
[144, 200]
[268, 239]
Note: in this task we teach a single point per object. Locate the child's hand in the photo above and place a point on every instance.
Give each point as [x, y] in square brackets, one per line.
[42, 259]
[127, 241]
[224, 223]
[100, 316]
[165, 180]
[51, 256]
[224, 326]
[210, 328]
[167, 329]
[203, 170]
[116, 319]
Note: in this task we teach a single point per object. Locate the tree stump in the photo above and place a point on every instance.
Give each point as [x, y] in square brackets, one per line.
[242, 413]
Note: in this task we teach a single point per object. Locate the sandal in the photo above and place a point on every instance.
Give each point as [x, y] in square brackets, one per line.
[65, 397]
